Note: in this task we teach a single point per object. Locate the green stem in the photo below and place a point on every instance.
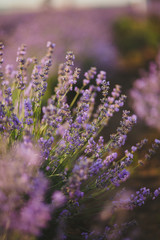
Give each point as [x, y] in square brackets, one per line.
[75, 98]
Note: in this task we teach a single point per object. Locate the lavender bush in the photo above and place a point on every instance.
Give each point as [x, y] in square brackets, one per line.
[54, 160]
[146, 96]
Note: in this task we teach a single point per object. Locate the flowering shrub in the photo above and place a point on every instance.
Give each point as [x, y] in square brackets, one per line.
[146, 96]
[53, 160]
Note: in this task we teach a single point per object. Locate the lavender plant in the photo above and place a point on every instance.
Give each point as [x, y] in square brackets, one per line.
[54, 160]
[146, 95]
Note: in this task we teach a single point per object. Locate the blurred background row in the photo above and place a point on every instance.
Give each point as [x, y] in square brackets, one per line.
[121, 37]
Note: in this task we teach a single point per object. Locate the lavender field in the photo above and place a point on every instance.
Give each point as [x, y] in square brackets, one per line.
[86, 32]
[79, 124]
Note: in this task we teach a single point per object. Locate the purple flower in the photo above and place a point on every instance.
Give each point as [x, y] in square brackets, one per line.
[145, 96]
[58, 199]
[22, 190]
[33, 217]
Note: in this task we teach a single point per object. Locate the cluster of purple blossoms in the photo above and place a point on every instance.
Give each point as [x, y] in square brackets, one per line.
[145, 96]
[22, 190]
[54, 157]
[28, 111]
